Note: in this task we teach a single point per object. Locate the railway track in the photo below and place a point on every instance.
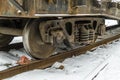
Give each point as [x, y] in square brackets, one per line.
[49, 61]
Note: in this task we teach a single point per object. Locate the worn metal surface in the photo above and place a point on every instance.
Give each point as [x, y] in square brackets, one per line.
[54, 35]
[33, 42]
[10, 31]
[34, 8]
[49, 61]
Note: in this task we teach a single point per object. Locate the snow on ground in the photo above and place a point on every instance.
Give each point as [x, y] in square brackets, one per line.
[116, 0]
[109, 22]
[19, 53]
[16, 40]
[6, 60]
[112, 71]
[112, 0]
[77, 67]
[9, 59]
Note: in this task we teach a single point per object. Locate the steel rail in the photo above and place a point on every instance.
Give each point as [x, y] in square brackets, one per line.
[51, 60]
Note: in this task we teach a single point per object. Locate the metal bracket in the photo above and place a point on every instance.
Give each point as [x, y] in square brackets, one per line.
[17, 5]
[66, 34]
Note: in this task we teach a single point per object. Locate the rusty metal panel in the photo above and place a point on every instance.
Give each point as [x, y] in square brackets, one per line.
[28, 8]
[23, 8]
[51, 6]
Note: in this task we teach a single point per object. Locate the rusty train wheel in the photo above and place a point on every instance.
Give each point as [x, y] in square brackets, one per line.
[5, 39]
[33, 43]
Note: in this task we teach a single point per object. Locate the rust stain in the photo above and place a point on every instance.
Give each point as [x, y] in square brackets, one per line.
[59, 7]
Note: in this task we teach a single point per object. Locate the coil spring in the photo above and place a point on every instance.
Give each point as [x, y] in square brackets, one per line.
[83, 35]
[91, 34]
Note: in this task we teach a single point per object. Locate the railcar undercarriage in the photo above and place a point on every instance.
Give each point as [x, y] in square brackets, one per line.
[41, 38]
[48, 26]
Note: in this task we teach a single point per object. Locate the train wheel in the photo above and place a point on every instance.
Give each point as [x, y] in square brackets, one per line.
[33, 42]
[5, 39]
